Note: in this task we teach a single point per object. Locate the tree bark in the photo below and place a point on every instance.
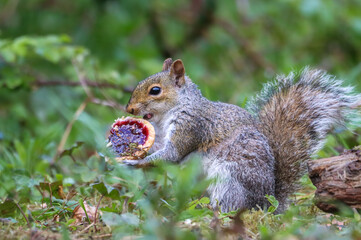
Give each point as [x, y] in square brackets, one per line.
[338, 180]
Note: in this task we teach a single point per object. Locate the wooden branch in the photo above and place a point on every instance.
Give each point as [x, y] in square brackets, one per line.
[338, 180]
[108, 103]
[49, 83]
[82, 79]
[40, 80]
[83, 82]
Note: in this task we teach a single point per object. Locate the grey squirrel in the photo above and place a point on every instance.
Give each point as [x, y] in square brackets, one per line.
[250, 153]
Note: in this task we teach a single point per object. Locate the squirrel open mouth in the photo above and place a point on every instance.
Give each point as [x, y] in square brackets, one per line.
[148, 116]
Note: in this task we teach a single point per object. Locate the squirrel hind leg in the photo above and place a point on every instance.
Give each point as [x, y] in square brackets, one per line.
[243, 170]
[230, 191]
[228, 195]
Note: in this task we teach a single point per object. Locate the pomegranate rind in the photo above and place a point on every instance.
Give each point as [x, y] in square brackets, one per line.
[142, 149]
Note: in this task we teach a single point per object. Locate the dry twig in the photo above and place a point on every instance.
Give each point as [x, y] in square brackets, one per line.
[84, 230]
[69, 127]
[22, 212]
[96, 212]
[83, 82]
[108, 103]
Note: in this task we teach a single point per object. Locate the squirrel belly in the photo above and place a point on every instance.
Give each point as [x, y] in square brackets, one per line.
[250, 153]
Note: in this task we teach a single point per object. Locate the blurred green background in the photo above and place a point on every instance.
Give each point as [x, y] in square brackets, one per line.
[49, 48]
[229, 49]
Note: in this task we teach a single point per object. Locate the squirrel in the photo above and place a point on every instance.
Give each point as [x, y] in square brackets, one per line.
[251, 153]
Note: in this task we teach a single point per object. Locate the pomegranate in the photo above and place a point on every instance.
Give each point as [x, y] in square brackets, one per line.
[131, 138]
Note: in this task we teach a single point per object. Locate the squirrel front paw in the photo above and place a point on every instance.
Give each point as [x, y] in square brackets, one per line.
[138, 163]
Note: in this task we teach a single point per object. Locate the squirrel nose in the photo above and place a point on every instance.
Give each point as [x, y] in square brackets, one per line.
[130, 109]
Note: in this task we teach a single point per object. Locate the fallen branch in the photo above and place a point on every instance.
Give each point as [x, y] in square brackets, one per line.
[338, 180]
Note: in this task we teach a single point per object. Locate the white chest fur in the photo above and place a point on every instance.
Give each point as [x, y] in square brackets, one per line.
[163, 130]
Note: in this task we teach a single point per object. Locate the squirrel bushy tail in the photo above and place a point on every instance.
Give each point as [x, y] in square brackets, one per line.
[296, 112]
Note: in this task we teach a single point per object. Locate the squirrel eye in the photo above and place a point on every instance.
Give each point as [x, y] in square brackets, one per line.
[155, 91]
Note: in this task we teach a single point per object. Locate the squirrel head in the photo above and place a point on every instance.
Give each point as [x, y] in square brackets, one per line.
[157, 94]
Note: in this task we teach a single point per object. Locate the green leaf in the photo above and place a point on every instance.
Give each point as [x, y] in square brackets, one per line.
[56, 189]
[8, 208]
[112, 219]
[193, 204]
[69, 151]
[8, 55]
[81, 202]
[88, 176]
[273, 202]
[106, 190]
[65, 234]
[13, 82]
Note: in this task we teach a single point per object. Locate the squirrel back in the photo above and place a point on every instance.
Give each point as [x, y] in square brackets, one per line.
[295, 113]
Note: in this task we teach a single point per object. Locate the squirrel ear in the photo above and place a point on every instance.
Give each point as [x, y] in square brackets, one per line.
[167, 63]
[177, 72]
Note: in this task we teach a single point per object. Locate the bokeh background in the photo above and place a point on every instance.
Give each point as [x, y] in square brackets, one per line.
[229, 48]
[67, 67]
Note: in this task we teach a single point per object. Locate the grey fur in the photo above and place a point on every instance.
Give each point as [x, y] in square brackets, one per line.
[296, 113]
[251, 155]
[234, 151]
